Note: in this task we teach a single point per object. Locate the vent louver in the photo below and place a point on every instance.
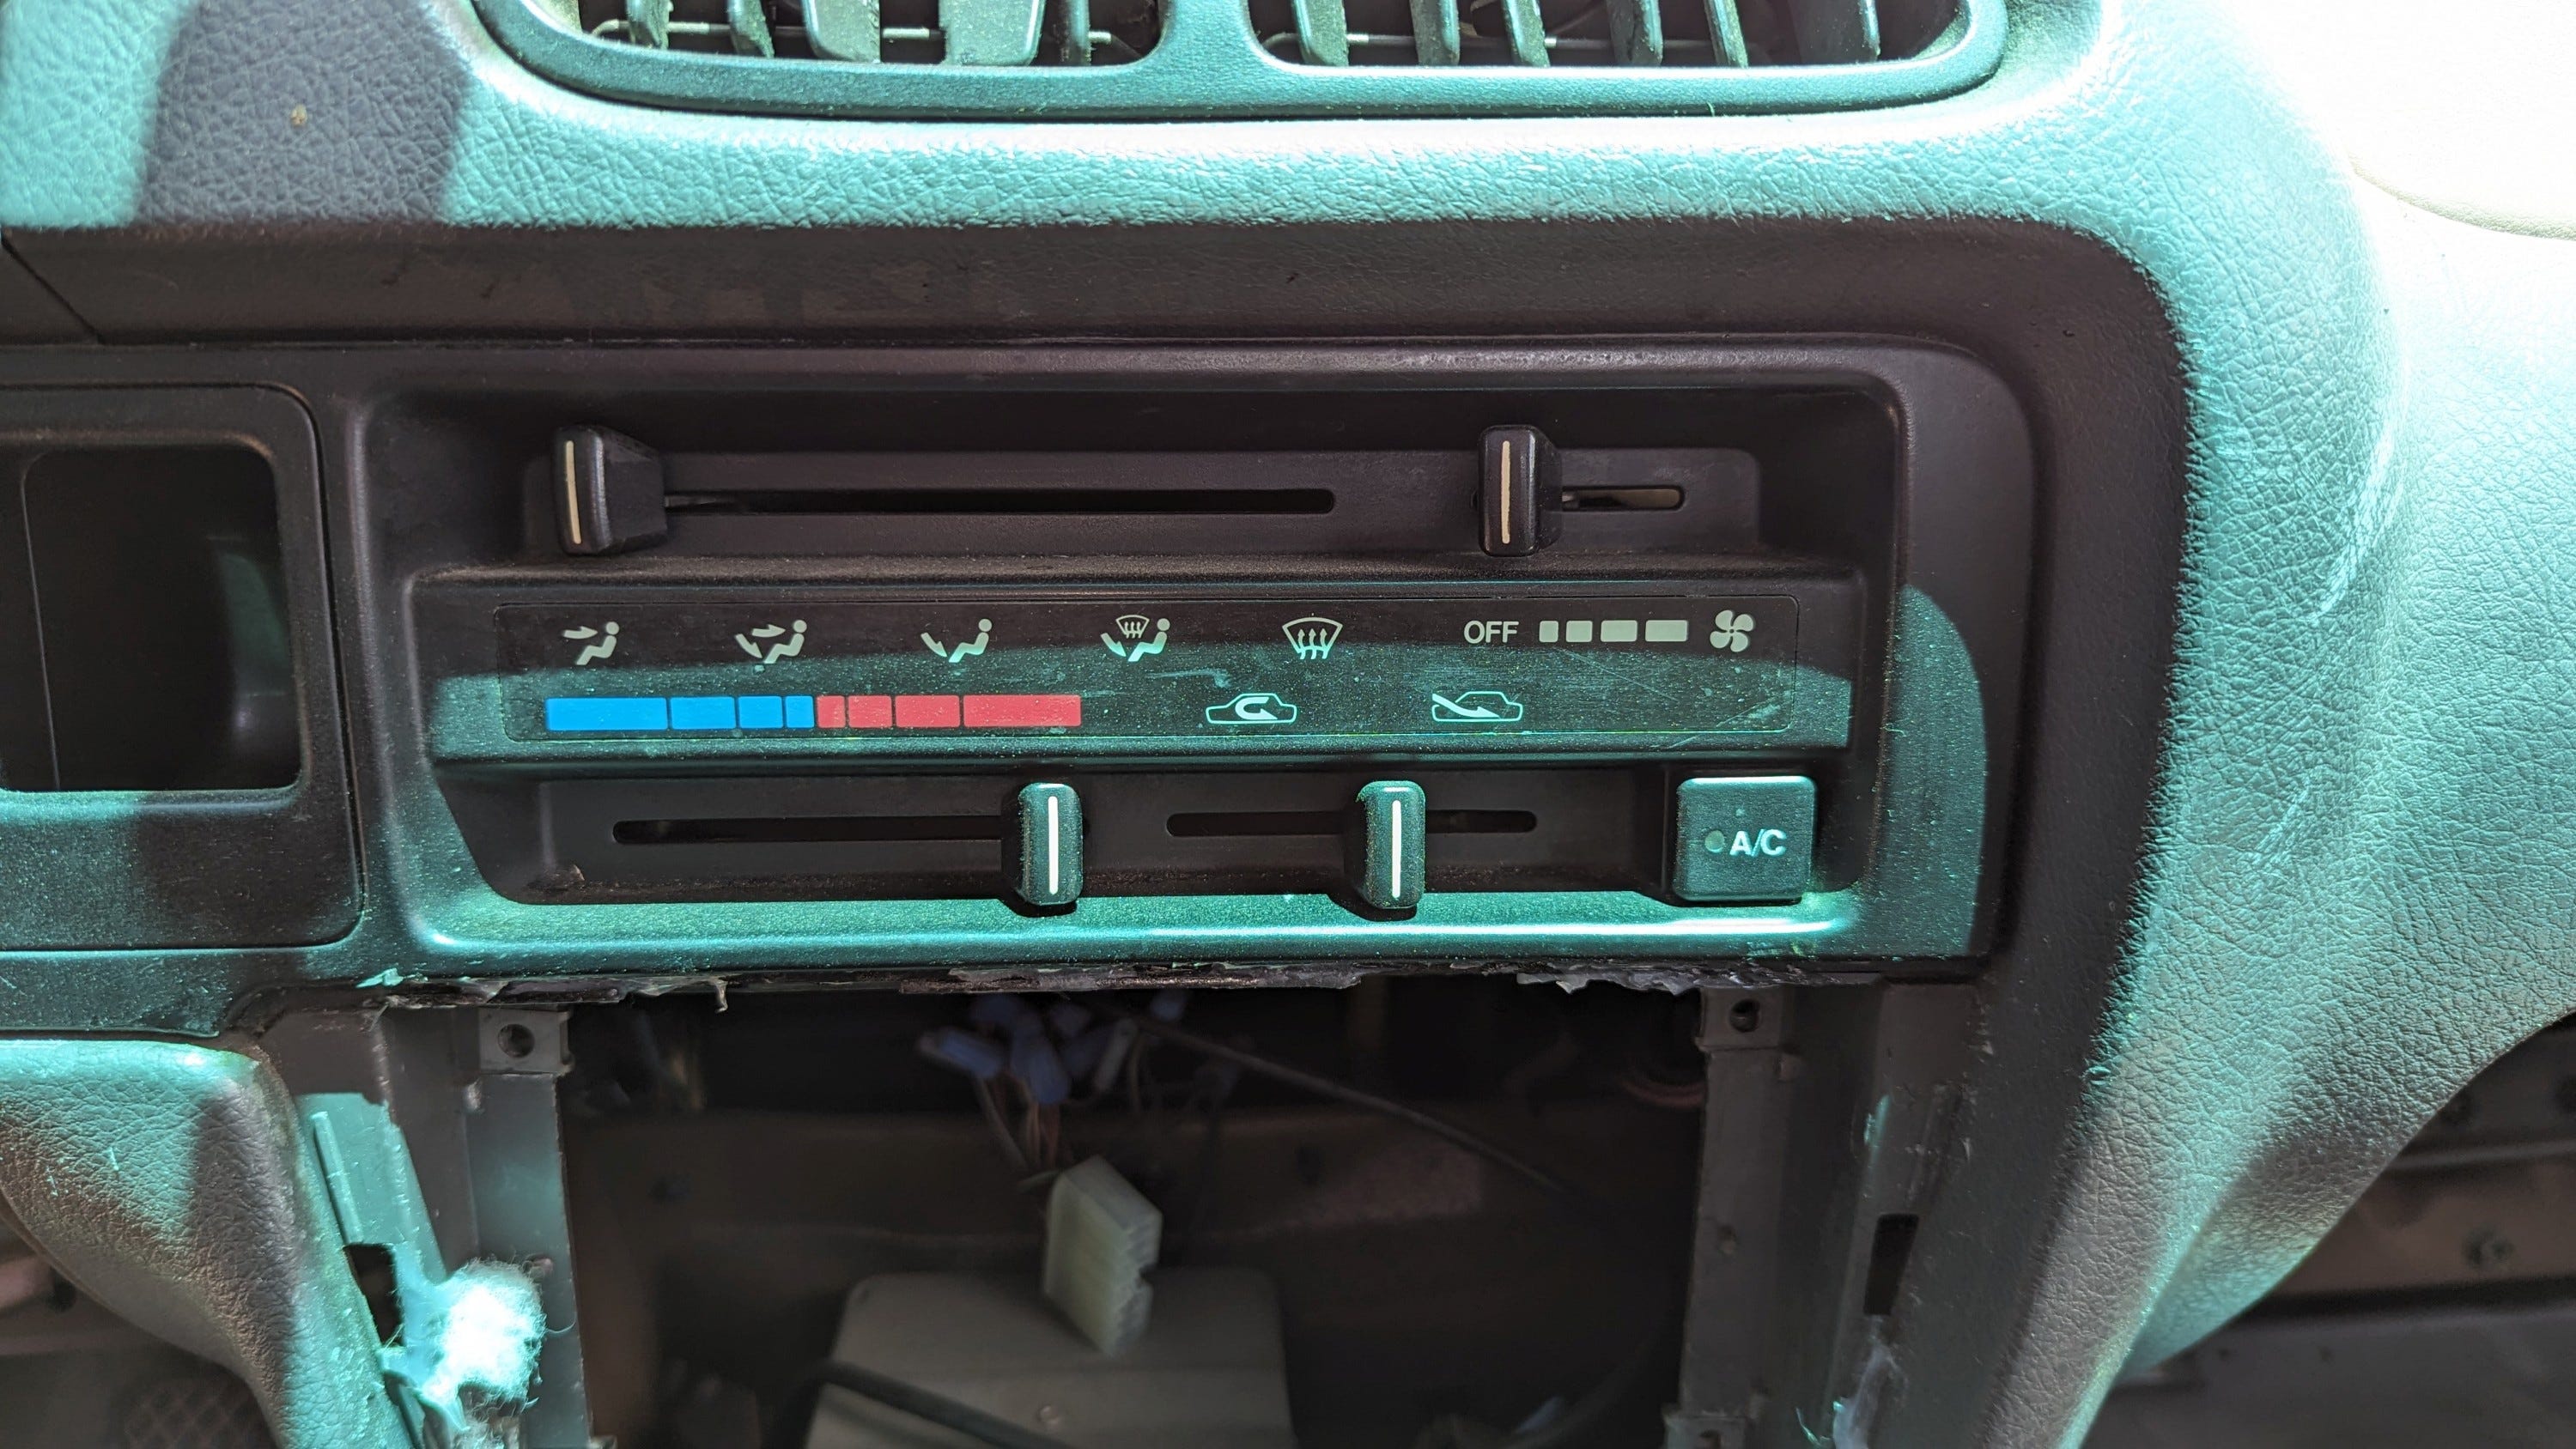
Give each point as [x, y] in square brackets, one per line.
[998, 33]
[1732, 34]
[1225, 59]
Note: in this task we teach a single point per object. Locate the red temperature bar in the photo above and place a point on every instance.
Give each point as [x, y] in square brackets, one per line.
[947, 711]
[1022, 711]
[854, 712]
[925, 711]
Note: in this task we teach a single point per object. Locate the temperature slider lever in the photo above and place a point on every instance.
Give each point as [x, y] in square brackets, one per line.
[607, 492]
[1523, 499]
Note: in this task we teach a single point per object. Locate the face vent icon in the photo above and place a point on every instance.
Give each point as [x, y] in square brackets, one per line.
[1132, 626]
[1312, 637]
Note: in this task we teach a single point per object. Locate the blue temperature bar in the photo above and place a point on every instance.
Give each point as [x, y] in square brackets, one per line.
[610, 714]
[638, 714]
[702, 712]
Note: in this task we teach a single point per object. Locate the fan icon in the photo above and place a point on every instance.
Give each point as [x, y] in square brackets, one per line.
[1734, 632]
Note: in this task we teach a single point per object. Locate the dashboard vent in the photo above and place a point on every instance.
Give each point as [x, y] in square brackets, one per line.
[1632, 33]
[1001, 33]
[1036, 60]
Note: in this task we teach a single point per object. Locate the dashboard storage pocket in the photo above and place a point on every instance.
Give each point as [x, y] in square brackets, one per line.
[171, 767]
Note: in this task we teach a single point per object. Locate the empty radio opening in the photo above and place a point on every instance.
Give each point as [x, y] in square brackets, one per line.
[807, 1178]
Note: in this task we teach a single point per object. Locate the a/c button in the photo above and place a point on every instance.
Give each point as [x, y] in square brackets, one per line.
[1744, 838]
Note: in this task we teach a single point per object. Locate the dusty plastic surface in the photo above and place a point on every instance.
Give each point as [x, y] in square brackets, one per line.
[466, 1352]
[2202, 1035]
[1208, 63]
[174, 1184]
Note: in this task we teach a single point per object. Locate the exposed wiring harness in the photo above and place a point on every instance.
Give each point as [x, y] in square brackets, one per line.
[1037, 1145]
[1584, 1413]
[1322, 1086]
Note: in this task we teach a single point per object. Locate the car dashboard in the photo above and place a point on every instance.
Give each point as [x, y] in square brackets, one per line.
[1241, 724]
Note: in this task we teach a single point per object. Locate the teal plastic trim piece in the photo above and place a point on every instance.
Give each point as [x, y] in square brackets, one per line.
[845, 30]
[1637, 32]
[1074, 46]
[467, 1353]
[649, 22]
[749, 22]
[174, 1185]
[992, 32]
[1435, 31]
[1323, 32]
[1526, 31]
[1209, 65]
[1726, 28]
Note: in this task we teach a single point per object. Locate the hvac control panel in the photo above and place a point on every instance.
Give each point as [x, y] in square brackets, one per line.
[1652, 660]
[1579, 672]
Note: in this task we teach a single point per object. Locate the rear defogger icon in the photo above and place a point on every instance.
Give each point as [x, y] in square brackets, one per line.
[1313, 637]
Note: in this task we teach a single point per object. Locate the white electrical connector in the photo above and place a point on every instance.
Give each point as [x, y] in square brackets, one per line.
[1101, 1238]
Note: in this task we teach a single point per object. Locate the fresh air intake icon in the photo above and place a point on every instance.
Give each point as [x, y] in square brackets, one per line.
[1312, 637]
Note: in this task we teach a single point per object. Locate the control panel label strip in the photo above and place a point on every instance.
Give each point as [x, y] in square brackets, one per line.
[1161, 671]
